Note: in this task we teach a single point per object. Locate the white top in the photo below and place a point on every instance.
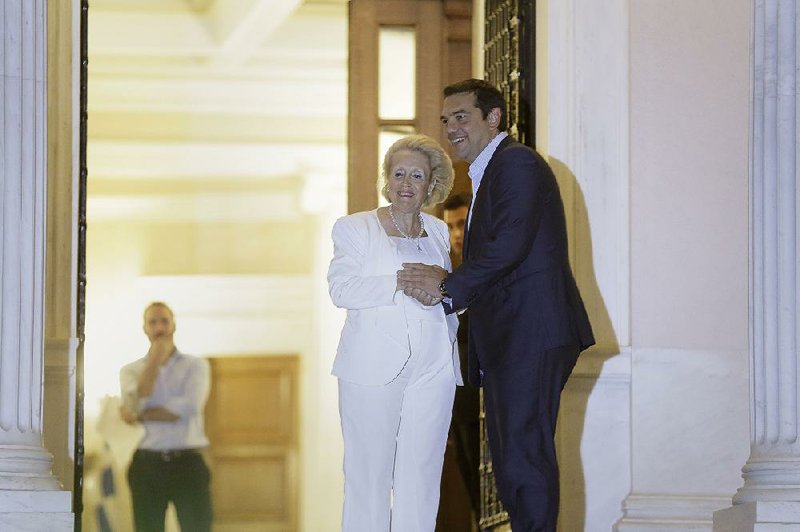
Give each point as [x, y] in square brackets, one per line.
[362, 278]
[182, 387]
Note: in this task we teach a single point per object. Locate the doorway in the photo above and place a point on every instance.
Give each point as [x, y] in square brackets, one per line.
[217, 164]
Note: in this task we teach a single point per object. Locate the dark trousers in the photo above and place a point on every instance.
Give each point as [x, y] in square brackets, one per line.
[465, 433]
[180, 477]
[521, 412]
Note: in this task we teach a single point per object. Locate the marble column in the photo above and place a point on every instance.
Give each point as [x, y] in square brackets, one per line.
[30, 497]
[770, 496]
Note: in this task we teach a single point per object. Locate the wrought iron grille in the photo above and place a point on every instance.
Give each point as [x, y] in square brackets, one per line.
[509, 52]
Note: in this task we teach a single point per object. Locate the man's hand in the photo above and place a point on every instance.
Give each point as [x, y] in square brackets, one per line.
[160, 350]
[424, 277]
[423, 297]
[127, 416]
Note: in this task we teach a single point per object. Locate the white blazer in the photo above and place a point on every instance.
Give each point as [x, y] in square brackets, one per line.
[362, 277]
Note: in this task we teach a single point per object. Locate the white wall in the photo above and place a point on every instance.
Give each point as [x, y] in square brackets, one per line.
[582, 126]
[689, 118]
[643, 111]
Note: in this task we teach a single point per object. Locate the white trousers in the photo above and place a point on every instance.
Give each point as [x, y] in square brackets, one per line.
[394, 441]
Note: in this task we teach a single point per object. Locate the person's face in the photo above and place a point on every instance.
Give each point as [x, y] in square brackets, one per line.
[467, 130]
[409, 179]
[455, 220]
[158, 324]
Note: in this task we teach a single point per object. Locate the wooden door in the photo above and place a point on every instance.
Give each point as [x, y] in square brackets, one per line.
[252, 424]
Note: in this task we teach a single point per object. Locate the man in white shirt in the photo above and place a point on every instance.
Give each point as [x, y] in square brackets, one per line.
[166, 391]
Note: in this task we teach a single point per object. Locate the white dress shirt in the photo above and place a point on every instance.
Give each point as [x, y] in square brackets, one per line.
[478, 167]
[182, 387]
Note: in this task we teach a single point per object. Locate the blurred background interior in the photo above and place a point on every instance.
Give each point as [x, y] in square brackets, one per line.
[217, 141]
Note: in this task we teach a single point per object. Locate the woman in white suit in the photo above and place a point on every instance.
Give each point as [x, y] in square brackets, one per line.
[397, 361]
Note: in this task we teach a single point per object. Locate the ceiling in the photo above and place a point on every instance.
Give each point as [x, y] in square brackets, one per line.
[168, 44]
[216, 90]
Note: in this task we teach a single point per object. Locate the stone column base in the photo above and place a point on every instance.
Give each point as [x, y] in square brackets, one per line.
[34, 511]
[758, 516]
[669, 513]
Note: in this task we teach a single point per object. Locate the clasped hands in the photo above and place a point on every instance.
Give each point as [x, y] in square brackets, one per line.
[421, 281]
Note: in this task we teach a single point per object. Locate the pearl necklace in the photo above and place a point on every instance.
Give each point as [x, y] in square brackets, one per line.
[413, 239]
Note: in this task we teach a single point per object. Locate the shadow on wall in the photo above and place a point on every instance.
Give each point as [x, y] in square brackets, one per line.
[575, 399]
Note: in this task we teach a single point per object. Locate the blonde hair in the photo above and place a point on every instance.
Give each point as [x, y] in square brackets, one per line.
[442, 174]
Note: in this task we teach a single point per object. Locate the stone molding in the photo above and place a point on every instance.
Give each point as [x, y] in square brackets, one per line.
[759, 515]
[666, 512]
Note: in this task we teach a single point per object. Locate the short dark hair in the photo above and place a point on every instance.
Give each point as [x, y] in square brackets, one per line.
[487, 97]
[161, 304]
[456, 201]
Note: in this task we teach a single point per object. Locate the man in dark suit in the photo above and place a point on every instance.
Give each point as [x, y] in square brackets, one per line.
[527, 320]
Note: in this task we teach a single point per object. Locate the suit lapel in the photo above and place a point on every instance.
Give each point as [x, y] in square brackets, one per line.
[478, 199]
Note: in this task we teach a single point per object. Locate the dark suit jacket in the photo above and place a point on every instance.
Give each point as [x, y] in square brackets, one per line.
[515, 278]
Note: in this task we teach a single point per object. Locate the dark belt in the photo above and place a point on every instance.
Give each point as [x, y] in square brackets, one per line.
[168, 455]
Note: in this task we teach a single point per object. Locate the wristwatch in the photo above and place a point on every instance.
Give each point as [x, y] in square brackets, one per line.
[443, 289]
